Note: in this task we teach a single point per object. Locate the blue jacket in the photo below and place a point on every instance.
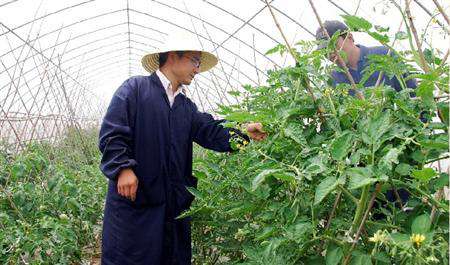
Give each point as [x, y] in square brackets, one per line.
[340, 77]
[141, 131]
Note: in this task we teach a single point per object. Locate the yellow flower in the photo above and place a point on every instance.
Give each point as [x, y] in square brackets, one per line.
[231, 132]
[417, 239]
[245, 142]
[238, 146]
[379, 237]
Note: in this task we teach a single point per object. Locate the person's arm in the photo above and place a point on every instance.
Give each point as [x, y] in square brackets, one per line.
[116, 140]
[209, 133]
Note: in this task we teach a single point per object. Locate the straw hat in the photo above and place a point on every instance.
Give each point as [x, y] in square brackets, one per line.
[179, 42]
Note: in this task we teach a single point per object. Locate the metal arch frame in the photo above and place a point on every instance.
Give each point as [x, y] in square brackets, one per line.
[82, 35]
[141, 43]
[203, 37]
[62, 28]
[56, 68]
[230, 35]
[104, 14]
[47, 15]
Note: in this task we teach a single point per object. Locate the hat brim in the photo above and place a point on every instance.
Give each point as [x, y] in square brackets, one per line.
[150, 62]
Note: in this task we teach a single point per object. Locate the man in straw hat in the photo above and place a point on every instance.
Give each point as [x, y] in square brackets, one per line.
[146, 141]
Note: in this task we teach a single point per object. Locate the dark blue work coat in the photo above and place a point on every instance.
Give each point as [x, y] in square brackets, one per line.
[141, 131]
[363, 61]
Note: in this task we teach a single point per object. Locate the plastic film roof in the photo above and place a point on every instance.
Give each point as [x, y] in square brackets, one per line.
[61, 61]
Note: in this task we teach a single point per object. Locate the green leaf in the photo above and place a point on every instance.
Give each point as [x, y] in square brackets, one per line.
[361, 259]
[261, 177]
[441, 181]
[381, 29]
[240, 117]
[294, 131]
[391, 157]
[341, 145]
[383, 38]
[444, 112]
[316, 166]
[266, 233]
[401, 35]
[278, 48]
[334, 255]
[195, 192]
[421, 224]
[401, 239]
[374, 128]
[234, 93]
[285, 176]
[357, 23]
[297, 232]
[360, 177]
[325, 187]
[425, 90]
[424, 175]
[403, 169]
[382, 257]
[439, 142]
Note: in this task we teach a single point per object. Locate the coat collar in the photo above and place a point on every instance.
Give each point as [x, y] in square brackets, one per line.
[159, 85]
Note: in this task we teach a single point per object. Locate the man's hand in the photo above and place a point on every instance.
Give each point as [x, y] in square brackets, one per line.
[256, 132]
[127, 184]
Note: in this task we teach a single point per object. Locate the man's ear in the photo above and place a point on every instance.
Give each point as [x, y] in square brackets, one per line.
[350, 37]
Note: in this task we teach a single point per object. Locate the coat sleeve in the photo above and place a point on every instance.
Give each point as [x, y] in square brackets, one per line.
[117, 130]
[209, 133]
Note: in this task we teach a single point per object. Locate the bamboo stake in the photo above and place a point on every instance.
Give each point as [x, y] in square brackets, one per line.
[441, 10]
[423, 62]
[308, 88]
[340, 60]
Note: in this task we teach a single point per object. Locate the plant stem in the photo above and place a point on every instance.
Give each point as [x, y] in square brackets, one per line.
[353, 198]
[437, 159]
[383, 224]
[361, 225]
[360, 208]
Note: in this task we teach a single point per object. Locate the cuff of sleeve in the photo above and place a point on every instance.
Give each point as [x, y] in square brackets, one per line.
[238, 140]
[112, 171]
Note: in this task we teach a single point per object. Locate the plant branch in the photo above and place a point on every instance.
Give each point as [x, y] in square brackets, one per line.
[437, 159]
[336, 203]
[353, 198]
[421, 192]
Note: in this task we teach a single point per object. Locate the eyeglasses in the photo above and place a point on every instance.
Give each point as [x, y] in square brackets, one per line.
[194, 61]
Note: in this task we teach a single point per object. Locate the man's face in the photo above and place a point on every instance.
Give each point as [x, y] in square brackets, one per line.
[186, 66]
[342, 45]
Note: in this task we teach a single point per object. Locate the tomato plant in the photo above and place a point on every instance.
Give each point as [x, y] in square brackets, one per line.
[324, 187]
[51, 202]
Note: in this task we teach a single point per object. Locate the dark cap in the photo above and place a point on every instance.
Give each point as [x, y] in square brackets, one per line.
[331, 26]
